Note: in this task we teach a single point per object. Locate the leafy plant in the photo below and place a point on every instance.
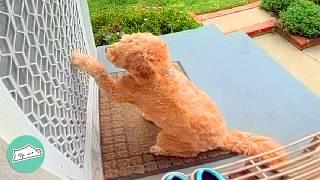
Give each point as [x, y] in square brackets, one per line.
[276, 6]
[303, 18]
[317, 2]
[110, 24]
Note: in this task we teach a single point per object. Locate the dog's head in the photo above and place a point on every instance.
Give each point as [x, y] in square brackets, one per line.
[141, 54]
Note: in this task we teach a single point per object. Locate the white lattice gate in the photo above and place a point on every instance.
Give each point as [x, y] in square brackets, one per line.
[40, 93]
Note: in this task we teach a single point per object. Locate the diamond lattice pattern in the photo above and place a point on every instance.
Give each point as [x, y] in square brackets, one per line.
[36, 40]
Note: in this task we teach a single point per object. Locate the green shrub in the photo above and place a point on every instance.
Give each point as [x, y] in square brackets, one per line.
[111, 23]
[276, 6]
[317, 2]
[303, 18]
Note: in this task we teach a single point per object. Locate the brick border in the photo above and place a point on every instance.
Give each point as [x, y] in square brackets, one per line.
[275, 26]
[257, 29]
[299, 41]
[203, 17]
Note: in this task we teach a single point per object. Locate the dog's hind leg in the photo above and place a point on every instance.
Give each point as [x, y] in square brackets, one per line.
[168, 146]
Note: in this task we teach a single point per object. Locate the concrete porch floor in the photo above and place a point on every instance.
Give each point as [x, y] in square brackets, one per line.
[303, 65]
[239, 20]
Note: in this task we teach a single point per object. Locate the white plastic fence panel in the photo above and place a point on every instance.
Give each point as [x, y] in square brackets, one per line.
[36, 40]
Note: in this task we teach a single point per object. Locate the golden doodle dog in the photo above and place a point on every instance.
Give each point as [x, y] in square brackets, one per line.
[190, 121]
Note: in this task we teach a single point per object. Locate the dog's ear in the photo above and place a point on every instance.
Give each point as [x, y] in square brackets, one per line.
[111, 53]
[143, 67]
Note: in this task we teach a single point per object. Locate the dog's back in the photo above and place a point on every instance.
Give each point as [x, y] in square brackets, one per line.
[181, 109]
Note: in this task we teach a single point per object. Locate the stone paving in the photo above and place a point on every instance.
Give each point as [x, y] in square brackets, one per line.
[239, 20]
[303, 65]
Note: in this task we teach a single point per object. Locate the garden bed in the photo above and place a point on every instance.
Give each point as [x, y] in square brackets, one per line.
[300, 42]
[113, 18]
[297, 20]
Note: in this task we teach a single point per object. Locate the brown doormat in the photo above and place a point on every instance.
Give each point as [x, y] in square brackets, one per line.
[125, 141]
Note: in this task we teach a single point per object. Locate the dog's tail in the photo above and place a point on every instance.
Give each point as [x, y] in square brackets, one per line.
[249, 144]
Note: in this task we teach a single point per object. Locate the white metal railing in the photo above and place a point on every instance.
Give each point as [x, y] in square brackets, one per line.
[46, 96]
[303, 163]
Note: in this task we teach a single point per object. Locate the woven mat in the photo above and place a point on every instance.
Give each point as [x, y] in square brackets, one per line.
[126, 138]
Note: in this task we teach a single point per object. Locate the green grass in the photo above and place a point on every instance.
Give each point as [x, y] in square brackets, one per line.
[197, 6]
[113, 18]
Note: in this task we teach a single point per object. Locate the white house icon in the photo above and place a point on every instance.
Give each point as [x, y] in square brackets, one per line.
[25, 153]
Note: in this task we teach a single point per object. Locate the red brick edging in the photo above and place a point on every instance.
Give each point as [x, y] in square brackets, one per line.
[257, 29]
[299, 41]
[274, 26]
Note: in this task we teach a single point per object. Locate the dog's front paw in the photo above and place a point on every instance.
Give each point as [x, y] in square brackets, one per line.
[78, 59]
[157, 150]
